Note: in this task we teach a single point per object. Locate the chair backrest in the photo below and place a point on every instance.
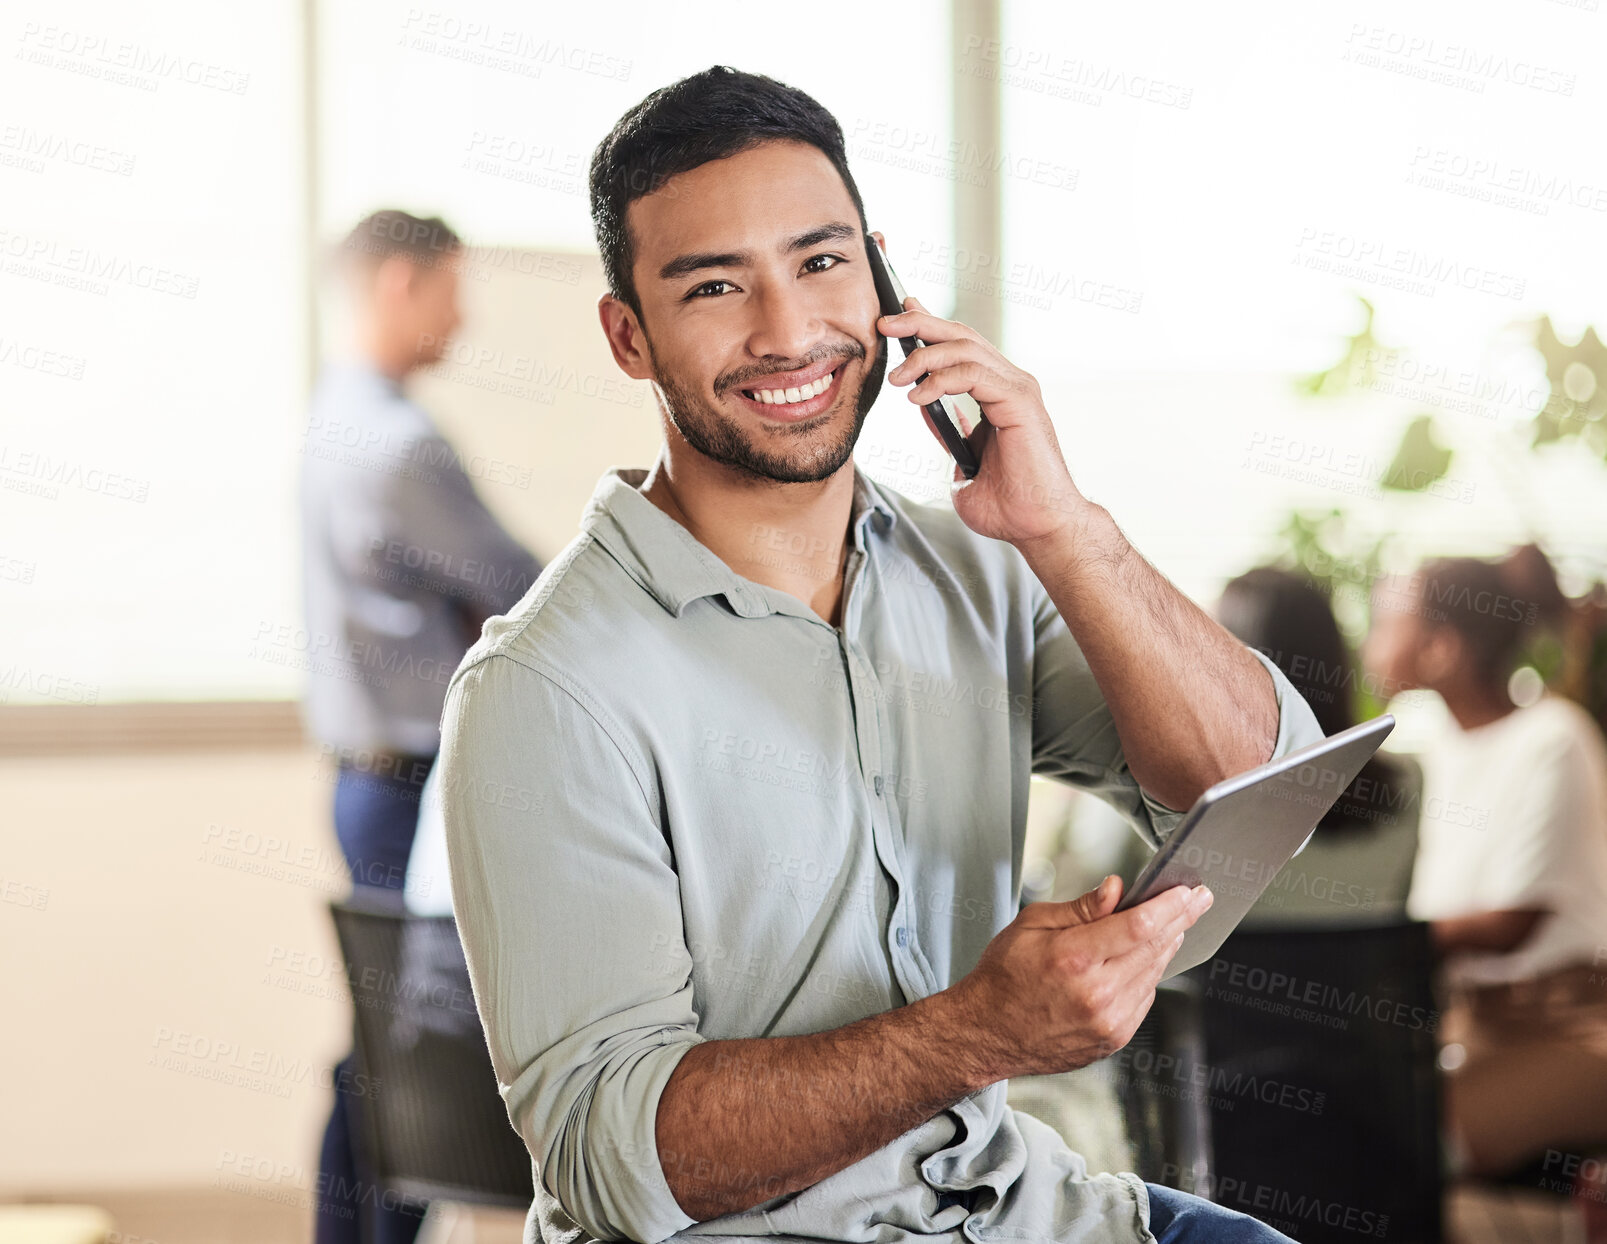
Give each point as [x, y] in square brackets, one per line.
[431, 1122]
[1321, 1052]
[1168, 1126]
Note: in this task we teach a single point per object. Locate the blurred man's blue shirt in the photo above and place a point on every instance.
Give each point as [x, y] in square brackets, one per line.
[401, 561]
[679, 806]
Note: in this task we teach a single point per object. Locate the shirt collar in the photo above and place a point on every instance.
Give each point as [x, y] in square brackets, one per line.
[672, 564]
[360, 371]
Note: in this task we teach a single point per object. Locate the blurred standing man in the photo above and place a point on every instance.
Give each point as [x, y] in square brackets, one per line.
[402, 565]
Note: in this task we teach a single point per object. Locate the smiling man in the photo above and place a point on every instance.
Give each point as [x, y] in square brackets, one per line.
[736, 797]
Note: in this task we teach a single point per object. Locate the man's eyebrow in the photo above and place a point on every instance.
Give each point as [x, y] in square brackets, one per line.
[821, 233]
[685, 265]
[697, 261]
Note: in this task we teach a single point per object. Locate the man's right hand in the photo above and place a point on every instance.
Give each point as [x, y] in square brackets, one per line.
[1066, 984]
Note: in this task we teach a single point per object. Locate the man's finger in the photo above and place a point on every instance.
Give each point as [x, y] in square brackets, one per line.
[1084, 909]
[1153, 922]
[936, 356]
[1150, 957]
[912, 303]
[990, 389]
[923, 324]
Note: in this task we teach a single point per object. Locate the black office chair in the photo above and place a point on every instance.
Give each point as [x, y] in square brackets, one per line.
[433, 1126]
[1168, 1126]
[1323, 1090]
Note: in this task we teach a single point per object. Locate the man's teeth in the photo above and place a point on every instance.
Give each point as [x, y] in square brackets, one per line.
[776, 397]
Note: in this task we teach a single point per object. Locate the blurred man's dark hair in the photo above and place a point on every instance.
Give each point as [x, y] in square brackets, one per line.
[424, 240]
[1287, 616]
[711, 115]
[1495, 607]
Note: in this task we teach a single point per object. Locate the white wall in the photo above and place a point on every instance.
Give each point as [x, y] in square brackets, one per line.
[161, 917]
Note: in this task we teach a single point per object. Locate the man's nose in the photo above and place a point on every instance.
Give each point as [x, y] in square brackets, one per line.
[785, 324]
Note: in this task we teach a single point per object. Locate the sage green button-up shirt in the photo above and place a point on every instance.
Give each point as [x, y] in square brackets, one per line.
[682, 807]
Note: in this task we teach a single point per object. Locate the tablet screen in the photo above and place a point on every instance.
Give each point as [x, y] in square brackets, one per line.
[1241, 831]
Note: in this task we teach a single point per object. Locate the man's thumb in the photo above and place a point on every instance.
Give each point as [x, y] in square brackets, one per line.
[1084, 909]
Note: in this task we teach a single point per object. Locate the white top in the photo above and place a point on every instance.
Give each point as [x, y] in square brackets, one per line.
[428, 890]
[1514, 814]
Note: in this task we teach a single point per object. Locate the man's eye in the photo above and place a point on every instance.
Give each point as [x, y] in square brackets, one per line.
[821, 263]
[710, 289]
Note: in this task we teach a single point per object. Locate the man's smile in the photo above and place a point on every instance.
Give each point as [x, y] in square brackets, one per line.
[794, 395]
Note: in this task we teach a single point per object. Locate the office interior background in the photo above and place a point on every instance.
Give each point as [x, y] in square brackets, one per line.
[1302, 284]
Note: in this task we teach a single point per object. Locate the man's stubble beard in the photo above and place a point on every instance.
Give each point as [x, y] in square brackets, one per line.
[715, 436]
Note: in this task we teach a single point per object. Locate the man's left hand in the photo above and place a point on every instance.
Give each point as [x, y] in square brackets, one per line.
[1022, 491]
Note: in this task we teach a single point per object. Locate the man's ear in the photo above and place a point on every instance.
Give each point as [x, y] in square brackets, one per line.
[393, 277]
[879, 240]
[625, 337]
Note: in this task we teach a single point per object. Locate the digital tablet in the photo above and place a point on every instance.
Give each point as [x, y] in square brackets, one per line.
[1241, 831]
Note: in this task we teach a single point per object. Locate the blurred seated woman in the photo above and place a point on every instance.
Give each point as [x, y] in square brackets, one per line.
[1357, 865]
[1512, 862]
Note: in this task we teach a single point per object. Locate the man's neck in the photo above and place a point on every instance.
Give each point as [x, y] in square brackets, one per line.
[792, 537]
[1473, 706]
[384, 356]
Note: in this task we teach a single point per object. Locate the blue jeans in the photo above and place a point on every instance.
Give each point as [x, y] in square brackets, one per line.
[376, 815]
[1181, 1218]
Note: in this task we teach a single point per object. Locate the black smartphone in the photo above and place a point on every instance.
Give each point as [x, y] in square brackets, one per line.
[891, 295]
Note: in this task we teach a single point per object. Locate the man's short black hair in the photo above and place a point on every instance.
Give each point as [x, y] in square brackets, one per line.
[425, 240]
[1497, 607]
[708, 116]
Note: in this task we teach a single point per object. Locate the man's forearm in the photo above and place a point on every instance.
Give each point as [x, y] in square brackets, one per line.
[741, 1122]
[1493, 931]
[1191, 704]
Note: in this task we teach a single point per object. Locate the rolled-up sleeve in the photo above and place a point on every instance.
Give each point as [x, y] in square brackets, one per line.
[569, 908]
[1074, 737]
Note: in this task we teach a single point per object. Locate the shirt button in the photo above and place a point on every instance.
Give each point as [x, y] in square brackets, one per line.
[877, 783]
[903, 937]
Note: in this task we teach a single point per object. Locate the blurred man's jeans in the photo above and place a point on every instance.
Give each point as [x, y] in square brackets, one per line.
[375, 818]
[376, 814]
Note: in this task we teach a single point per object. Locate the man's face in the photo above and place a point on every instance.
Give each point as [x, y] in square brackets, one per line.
[758, 310]
[1396, 634]
[433, 305]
